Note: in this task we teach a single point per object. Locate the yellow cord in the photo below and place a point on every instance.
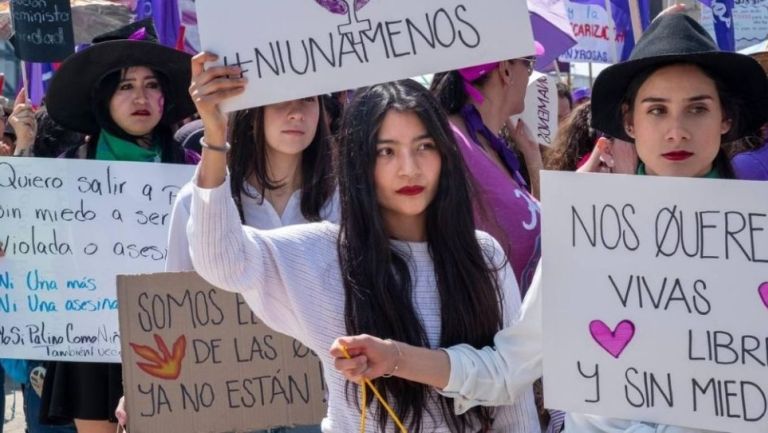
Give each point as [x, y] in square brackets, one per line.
[367, 383]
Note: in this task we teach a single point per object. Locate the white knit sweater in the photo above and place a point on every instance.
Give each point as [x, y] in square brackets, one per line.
[291, 279]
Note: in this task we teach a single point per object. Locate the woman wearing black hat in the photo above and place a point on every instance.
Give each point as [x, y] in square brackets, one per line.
[678, 99]
[126, 91]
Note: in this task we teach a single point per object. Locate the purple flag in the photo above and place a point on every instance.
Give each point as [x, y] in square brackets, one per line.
[38, 75]
[552, 29]
[722, 13]
[165, 14]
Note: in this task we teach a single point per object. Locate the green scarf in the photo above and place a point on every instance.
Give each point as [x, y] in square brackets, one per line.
[713, 174]
[111, 148]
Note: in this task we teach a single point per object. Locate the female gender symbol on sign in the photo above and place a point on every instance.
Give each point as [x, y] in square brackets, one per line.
[354, 25]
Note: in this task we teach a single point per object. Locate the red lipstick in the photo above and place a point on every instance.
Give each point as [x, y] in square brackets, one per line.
[411, 190]
[678, 155]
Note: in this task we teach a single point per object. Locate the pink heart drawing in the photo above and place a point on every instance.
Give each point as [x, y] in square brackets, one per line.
[763, 291]
[614, 342]
[341, 7]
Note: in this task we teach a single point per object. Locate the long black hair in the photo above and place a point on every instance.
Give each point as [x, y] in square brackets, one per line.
[170, 150]
[731, 105]
[377, 281]
[248, 157]
[448, 88]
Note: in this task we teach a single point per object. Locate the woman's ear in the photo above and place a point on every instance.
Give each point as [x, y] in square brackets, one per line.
[505, 72]
[725, 126]
[629, 122]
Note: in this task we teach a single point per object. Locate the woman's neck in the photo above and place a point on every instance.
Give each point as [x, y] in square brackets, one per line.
[282, 169]
[494, 114]
[408, 228]
[145, 141]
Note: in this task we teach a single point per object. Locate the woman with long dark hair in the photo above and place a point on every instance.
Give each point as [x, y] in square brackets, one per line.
[405, 261]
[280, 166]
[679, 99]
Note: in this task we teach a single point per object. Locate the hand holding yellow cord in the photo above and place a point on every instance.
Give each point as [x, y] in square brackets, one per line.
[367, 383]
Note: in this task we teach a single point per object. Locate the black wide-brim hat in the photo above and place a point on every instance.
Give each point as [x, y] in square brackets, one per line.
[69, 96]
[674, 39]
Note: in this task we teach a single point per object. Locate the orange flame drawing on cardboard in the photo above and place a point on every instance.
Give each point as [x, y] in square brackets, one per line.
[164, 365]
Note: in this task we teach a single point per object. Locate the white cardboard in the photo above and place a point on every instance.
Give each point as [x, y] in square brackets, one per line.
[373, 42]
[64, 306]
[715, 294]
[540, 114]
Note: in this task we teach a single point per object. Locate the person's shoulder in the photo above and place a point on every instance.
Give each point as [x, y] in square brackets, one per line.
[491, 248]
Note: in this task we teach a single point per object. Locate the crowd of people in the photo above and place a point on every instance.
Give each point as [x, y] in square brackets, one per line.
[385, 222]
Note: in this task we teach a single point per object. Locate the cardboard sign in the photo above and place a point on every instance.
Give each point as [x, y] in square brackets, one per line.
[656, 299]
[595, 31]
[42, 30]
[292, 49]
[540, 114]
[68, 227]
[750, 20]
[195, 359]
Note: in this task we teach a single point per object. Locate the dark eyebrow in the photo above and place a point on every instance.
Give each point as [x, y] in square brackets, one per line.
[148, 77]
[419, 138]
[654, 99]
[701, 98]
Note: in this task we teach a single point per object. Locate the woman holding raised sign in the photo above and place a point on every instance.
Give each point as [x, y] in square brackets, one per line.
[679, 99]
[126, 91]
[387, 268]
[480, 101]
[280, 166]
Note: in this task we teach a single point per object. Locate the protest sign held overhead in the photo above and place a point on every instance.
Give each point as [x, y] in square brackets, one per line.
[68, 228]
[42, 30]
[748, 20]
[655, 303]
[300, 48]
[195, 359]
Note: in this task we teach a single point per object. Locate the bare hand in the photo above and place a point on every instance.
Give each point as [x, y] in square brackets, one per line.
[120, 413]
[209, 87]
[624, 157]
[371, 357]
[24, 123]
[524, 140]
[600, 160]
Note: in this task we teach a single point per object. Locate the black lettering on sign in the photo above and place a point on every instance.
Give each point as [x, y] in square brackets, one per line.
[730, 399]
[43, 30]
[158, 400]
[596, 376]
[646, 387]
[607, 225]
[196, 396]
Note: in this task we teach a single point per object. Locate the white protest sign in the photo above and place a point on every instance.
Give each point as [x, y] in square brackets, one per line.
[292, 49]
[750, 18]
[594, 30]
[540, 114]
[69, 227]
[656, 299]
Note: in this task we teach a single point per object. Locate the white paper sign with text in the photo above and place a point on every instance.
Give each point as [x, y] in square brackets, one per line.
[69, 227]
[656, 299]
[540, 114]
[292, 49]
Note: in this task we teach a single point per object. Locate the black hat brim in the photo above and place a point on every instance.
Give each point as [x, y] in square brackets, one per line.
[742, 75]
[69, 95]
